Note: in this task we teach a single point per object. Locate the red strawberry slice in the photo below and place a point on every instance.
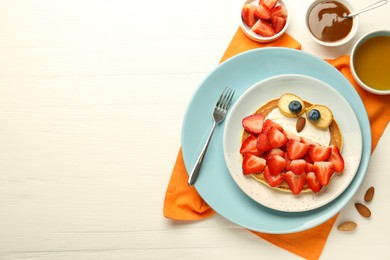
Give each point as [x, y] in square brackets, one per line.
[252, 164]
[276, 151]
[307, 158]
[249, 145]
[263, 28]
[288, 162]
[268, 123]
[276, 164]
[273, 180]
[269, 3]
[291, 135]
[309, 167]
[312, 182]
[262, 12]
[262, 143]
[248, 14]
[296, 150]
[298, 166]
[323, 171]
[318, 153]
[278, 11]
[306, 140]
[278, 23]
[336, 159]
[295, 181]
[276, 138]
[253, 123]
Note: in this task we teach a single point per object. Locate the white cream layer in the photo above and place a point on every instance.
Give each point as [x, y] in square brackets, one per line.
[315, 134]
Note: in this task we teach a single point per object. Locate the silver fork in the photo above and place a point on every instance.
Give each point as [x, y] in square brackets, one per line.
[219, 115]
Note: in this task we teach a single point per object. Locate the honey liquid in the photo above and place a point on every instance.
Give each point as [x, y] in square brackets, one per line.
[327, 23]
[372, 62]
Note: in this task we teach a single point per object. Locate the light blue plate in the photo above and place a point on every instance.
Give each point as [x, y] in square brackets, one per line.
[215, 183]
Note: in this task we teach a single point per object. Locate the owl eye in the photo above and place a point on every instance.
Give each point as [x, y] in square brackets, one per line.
[295, 106]
[319, 115]
[314, 115]
[291, 105]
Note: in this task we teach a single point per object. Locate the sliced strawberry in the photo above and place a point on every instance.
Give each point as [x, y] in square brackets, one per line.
[262, 144]
[248, 14]
[306, 140]
[295, 182]
[278, 11]
[291, 135]
[276, 164]
[252, 164]
[318, 153]
[312, 182]
[295, 149]
[278, 23]
[276, 138]
[273, 180]
[262, 12]
[288, 162]
[263, 28]
[323, 171]
[269, 3]
[273, 151]
[337, 159]
[253, 123]
[307, 158]
[249, 145]
[298, 166]
[309, 167]
[268, 123]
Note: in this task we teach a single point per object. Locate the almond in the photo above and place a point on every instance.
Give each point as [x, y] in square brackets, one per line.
[301, 122]
[369, 194]
[363, 210]
[347, 226]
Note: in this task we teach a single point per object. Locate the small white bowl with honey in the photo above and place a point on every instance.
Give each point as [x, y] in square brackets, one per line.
[370, 62]
[326, 25]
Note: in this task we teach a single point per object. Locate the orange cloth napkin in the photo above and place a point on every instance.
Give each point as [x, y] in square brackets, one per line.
[377, 107]
[182, 202]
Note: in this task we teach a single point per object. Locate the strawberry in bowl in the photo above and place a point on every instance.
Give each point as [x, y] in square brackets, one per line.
[264, 20]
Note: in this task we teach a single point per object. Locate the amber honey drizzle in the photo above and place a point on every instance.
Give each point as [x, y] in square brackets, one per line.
[326, 21]
[372, 62]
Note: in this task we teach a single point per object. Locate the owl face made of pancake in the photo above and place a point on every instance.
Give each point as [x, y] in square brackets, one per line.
[292, 145]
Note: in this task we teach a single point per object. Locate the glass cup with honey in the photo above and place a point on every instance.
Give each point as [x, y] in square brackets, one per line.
[370, 62]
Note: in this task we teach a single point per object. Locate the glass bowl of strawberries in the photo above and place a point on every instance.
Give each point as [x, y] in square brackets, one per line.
[264, 20]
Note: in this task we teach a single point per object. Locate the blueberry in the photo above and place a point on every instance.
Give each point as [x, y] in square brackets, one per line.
[295, 106]
[314, 115]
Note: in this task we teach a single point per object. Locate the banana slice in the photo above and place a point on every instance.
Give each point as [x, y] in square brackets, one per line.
[319, 115]
[291, 105]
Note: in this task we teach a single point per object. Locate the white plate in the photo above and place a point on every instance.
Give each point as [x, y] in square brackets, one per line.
[316, 92]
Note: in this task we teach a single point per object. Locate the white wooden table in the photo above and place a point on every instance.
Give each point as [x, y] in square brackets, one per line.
[92, 97]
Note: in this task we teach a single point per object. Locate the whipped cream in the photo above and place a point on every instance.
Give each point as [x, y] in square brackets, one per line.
[317, 135]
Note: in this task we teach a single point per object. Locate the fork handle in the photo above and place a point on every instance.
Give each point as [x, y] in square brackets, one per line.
[196, 169]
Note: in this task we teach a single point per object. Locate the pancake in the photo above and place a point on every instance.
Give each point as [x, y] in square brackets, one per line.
[335, 139]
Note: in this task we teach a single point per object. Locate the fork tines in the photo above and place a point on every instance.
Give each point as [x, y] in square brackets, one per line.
[225, 99]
